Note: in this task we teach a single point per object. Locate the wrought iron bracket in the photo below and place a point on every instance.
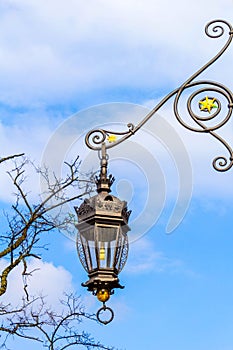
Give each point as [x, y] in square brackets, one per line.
[209, 106]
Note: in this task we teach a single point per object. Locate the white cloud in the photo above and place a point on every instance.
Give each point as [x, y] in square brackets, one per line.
[144, 258]
[46, 280]
[28, 135]
[53, 50]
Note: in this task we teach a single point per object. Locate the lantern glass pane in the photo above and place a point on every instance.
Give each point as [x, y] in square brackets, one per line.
[103, 246]
[121, 251]
[88, 242]
[106, 239]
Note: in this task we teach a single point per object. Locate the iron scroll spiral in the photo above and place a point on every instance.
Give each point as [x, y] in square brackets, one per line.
[95, 138]
[214, 29]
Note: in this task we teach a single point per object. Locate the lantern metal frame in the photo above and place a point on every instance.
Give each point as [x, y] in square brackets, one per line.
[102, 219]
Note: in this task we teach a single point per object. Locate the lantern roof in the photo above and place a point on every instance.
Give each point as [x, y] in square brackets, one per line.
[103, 204]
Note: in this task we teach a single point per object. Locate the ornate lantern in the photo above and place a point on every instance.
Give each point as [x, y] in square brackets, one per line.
[102, 241]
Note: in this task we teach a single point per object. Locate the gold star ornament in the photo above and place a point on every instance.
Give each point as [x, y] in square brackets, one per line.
[207, 104]
[111, 138]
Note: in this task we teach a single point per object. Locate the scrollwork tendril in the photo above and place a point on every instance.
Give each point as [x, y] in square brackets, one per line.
[96, 137]
[219, 163]
[212, 87]
[222, 163]
[217, 29]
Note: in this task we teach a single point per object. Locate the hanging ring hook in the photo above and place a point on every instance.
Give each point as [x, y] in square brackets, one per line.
[105, 308]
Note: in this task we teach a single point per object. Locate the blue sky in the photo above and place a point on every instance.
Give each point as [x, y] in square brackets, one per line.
[68, 66]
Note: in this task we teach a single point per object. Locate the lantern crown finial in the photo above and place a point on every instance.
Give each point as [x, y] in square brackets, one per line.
[104, 182]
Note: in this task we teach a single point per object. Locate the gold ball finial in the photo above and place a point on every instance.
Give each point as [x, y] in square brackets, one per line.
[103, 295]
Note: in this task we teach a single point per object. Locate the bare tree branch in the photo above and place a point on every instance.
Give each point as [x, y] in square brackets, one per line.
[4, 159]
[27, 221]
[54, 330]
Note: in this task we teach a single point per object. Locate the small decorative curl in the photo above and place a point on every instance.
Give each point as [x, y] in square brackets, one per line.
[221, 163]
[216, 28]
[95, 138]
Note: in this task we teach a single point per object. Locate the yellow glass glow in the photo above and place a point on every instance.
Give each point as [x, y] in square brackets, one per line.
[102, 254]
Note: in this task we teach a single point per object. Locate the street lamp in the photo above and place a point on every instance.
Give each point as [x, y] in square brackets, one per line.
[102, 241]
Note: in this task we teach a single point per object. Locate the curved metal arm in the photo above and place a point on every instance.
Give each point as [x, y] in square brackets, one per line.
[207, 104]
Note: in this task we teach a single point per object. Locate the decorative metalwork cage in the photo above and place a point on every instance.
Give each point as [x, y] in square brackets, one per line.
[102, 241]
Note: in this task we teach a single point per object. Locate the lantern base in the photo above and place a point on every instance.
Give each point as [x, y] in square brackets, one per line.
[102, 279]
